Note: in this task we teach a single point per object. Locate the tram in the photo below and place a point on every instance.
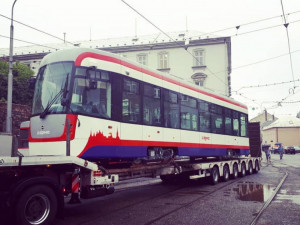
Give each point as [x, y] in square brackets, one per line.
[118, 109]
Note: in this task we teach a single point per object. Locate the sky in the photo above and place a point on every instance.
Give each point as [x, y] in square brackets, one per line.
[260, 49]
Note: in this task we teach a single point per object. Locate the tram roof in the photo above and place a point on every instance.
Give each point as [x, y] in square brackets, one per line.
[73, 53]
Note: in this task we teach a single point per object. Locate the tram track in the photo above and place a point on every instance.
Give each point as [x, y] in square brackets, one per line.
[228, 183]
[169, 193]
[269, 201]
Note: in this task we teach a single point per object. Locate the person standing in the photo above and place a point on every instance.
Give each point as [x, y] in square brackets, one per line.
[280, 150]
[268, 154]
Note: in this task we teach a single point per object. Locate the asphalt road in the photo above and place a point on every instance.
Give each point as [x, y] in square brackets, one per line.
[239, 201]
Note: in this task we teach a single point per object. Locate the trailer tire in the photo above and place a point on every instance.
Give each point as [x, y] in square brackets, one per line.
[36, 205]
[226, 173]
[214, 175]
[256, 168]
[250, 168]
[235, 171]
[243, 170]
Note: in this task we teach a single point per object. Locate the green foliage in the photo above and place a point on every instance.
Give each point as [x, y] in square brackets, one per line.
[21, 74]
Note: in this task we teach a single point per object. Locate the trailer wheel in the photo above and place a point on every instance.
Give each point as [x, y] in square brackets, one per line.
[250, 168]
[243, 170]
[226, 173]
[36, 205]
[235, 171]
[256, 168]
[215, 175]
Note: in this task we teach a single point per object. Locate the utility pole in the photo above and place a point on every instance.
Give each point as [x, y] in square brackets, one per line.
[10, 75]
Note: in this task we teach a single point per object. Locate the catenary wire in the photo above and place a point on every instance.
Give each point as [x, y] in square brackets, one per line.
[245, 24]
[28, 42]
[288, 39]
[184, 47]
[36, 29]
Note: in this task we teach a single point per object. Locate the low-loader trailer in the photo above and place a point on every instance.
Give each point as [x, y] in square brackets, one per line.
[33, 188]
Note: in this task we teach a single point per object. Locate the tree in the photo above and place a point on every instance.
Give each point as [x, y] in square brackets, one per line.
[298, 115]
[21, 73]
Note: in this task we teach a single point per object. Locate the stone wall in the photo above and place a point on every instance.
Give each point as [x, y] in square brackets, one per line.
[20, 113]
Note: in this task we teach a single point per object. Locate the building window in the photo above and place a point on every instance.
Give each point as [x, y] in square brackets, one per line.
[142, 59]
[199, 57]
[163, 60]
[199, 78]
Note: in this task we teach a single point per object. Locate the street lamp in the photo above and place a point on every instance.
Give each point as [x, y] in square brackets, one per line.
[10, 75]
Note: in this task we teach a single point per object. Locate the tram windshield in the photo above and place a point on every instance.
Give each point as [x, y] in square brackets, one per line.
[52, 85]
[90, 94]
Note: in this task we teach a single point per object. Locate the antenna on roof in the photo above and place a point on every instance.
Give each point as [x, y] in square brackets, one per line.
[135, 28]
[135, 31]
[186, 23]
[90, 33]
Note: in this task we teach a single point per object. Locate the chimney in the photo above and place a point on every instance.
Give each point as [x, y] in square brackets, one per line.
[266, 115]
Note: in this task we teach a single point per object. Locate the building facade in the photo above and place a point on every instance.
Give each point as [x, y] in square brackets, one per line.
[285, 130]
[205, 61]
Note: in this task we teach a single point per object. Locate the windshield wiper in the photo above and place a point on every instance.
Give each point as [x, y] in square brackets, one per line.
[63, 92]
[46, 110]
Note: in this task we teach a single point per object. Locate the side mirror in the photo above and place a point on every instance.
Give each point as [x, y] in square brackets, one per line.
[91, 76]
[32, 81]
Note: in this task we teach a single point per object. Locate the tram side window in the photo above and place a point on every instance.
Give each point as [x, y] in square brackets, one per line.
[244, 125]
[94, 101]
[217, 123]
[151, 105]
[204, 116]
[171, 109]
[228, 121]
[131, 102]
[188, 113]
[236, 123]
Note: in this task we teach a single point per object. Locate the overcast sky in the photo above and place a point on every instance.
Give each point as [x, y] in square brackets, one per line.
[262, 45]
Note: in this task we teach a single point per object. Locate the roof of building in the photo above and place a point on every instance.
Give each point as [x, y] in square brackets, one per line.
[172, 37]
[289, 121]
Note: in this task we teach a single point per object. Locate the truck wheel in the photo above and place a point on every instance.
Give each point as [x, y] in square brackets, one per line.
[235, 171]
[214, 176]
[256, 168]
[250, 168]
[243, 170]
[36, 205]
[226, 173]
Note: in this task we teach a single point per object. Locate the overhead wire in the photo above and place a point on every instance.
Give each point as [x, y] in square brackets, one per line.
[184, 47]
[36, 29]
[28, 42]
[267, 85]
[245, 24]
[288, 39]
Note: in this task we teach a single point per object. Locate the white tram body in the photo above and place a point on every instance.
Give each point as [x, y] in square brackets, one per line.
[119, 109]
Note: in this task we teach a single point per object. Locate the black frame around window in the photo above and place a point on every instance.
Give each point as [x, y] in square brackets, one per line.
[138, 102]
